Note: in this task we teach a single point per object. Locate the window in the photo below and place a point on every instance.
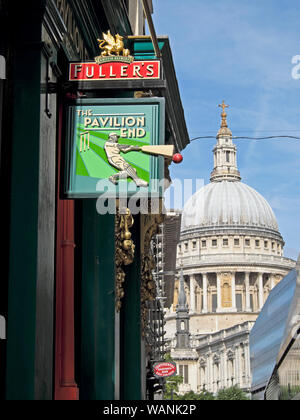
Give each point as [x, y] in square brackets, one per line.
[236, 241]
[227, 157]
[225, 241]
[202, 376]
[247, 242]
[214, 302]
[251, 302]
[186, 246]
[230, 369]
[194, 244]
[184, 372]
[214, 242]
[273, 245]
[266, 244]
[216, 370]
[239, 302]
[257, 242]
[181, 370]
[203, 244]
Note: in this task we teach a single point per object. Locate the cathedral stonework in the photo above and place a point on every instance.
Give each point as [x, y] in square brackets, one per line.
[230, 256]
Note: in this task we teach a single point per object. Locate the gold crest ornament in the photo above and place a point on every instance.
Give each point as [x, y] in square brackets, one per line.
[113, 49]
[124, 250]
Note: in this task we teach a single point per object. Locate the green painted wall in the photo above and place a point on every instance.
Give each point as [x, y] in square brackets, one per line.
[97, 359]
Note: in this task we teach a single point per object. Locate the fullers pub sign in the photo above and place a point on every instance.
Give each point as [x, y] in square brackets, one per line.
[115, 146]
[114, 63]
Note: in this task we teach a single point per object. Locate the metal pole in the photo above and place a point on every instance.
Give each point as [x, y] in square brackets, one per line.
[151, 28]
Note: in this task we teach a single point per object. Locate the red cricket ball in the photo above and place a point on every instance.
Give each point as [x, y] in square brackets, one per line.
[177, 158]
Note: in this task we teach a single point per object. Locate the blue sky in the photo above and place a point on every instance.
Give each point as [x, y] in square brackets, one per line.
[241, 51]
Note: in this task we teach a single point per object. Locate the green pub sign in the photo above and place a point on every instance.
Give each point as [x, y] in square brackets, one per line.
[116, 147]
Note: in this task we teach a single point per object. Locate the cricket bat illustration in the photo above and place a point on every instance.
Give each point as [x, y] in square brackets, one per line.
[166, 150]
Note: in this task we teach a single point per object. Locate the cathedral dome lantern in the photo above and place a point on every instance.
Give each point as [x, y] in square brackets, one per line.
[225, 162]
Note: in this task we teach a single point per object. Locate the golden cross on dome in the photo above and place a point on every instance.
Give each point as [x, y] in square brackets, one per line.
[224, 115]
[224, 106]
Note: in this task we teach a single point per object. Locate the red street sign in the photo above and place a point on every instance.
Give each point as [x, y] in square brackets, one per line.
[114, 70]
[164, 369]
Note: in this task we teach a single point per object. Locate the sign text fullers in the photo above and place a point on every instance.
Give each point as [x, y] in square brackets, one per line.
[115, 70]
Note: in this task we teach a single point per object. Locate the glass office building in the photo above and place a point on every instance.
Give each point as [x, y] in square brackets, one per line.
[275, 343]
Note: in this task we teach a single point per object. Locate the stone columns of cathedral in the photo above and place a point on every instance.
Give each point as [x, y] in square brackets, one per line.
[224, 291]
